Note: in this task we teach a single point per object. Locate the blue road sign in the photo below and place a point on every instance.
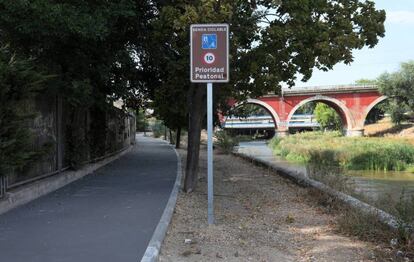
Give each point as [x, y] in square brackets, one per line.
[209, 41]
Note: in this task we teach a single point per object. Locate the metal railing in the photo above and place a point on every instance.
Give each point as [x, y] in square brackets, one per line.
[328, 88]
[12, 181]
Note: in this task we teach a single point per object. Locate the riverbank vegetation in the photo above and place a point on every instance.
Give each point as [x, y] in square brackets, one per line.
[332, 149]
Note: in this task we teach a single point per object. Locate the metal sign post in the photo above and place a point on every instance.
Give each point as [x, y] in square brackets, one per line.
[210, 179]
[210, 64]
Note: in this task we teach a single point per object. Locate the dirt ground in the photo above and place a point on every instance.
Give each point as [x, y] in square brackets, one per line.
[260, 216]
[387, 129]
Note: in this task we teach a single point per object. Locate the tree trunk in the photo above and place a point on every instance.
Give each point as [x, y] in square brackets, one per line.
[178, 138]
[165, 133]
[145, 125]
[171, 137]
[197, 109]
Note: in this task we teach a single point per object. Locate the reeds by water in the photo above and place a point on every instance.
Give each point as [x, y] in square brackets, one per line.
[361, 153]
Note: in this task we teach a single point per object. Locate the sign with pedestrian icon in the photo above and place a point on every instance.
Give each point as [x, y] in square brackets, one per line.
[209, 64]
[209, 41]
[209, 53]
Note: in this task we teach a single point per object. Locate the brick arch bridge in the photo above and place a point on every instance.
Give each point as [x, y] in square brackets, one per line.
[352, 102]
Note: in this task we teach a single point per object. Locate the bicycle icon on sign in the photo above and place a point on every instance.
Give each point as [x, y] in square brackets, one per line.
[209, 41]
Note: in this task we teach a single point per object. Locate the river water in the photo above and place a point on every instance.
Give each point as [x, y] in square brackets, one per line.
[380, 185]
[375, 185]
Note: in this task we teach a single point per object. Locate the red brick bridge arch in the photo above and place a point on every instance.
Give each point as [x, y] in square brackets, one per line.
[352, 102]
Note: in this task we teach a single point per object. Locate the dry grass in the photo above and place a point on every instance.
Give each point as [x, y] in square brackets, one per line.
[385, 128]
[366, 227]
[383, 125]
[260, 216]
[263, 217]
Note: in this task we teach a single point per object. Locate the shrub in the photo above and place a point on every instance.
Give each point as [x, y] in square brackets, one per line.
[225, 141]
[405, 214]
[363, 225]
[158, 129]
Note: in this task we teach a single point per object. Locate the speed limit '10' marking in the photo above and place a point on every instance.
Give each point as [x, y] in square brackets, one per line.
[209, 58]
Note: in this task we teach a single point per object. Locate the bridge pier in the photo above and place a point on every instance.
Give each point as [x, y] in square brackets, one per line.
[282, 132]
[354, 132]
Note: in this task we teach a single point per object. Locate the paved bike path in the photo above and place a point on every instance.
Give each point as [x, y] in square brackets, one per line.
[106, 216]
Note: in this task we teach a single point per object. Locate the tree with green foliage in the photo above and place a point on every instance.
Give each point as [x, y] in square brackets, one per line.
[19, 83]
[398, 112]
[399, 87]
[307, 108]
[271, 42]
[172, 113]
[141, 119]
[91, 48]
[327, 117]
[246, 110]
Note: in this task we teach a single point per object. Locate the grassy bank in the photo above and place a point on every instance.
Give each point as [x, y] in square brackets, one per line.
[362, 153]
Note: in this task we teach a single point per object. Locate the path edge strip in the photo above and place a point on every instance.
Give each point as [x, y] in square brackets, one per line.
[153, 250]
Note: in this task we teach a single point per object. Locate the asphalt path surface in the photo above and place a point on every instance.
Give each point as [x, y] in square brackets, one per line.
[106, 216]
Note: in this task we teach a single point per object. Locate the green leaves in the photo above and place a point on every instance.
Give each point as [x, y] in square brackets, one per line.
[272, 42]
[327, 117]
[19, 82]
[319, 34]
[89, 45]
[399, 87]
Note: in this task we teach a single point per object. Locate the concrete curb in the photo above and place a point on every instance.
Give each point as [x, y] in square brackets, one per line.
[30, 192]
[153, 250]
[304, 180]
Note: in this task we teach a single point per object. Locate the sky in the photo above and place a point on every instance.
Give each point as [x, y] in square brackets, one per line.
[397, 46]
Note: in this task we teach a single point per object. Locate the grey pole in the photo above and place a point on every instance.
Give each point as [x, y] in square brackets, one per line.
[210, 153]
